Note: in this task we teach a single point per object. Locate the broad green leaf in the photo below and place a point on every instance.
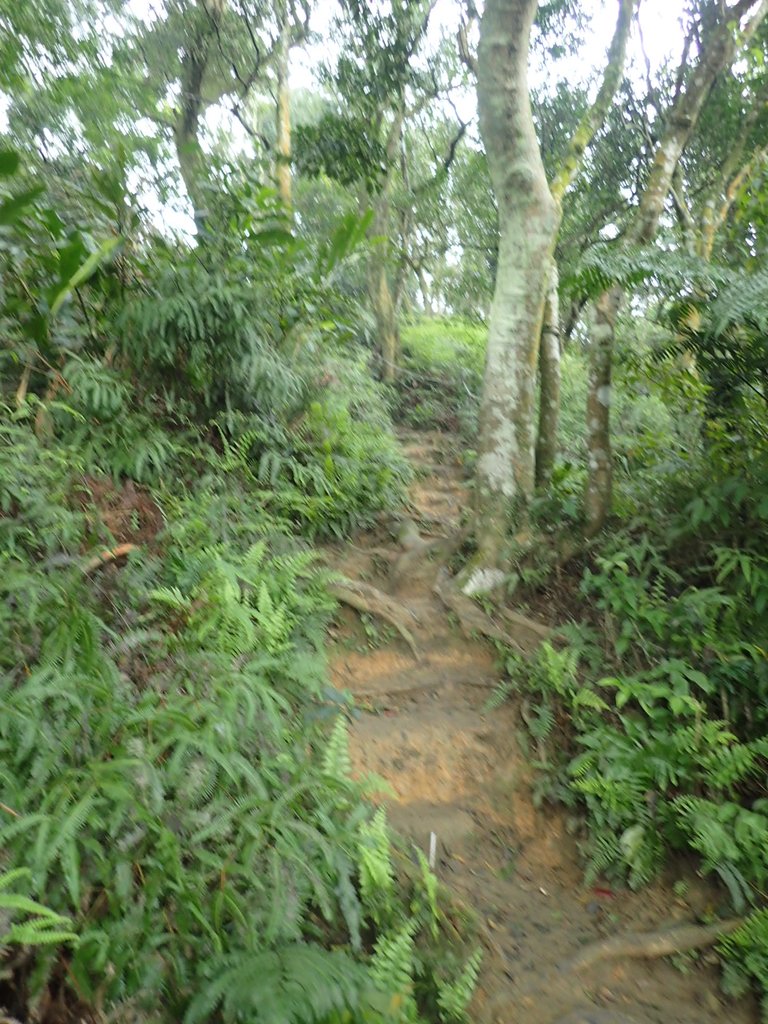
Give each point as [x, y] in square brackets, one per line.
[11, 209]
[9, 162]
[86, 270]
[273, 236]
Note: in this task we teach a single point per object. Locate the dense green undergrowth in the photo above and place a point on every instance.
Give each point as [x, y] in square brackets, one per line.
[441, 377]
[651, 720]
[181, 839]
[175, 773]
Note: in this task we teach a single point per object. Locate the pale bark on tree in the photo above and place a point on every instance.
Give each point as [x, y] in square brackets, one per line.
[426, 295]
[720, 44]
[594, 117]
[283, 109]
[383, 303]
[527, 224]
[549, 353]
[529, 217]
[600, 463]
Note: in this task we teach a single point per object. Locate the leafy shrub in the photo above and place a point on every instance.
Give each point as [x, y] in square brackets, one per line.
[155, 755]
[174, 770]
[173, 785]
[25, 922]
[666, 702]
[335, 467]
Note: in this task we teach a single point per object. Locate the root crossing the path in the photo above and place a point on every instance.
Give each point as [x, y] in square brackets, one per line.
[421, 668]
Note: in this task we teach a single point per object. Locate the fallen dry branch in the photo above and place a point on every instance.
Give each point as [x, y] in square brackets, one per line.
[651, 945]
[365, 598]
[107, 556]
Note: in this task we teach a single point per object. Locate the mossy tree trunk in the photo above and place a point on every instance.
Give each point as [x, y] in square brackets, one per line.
[383, 303]
[529, 219]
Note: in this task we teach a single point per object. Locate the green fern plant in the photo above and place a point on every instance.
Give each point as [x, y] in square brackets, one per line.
[745, 955]
[336, 760]
[25, 922]
[377, 878]
[453, 997]
[299, 984]
[392, 969]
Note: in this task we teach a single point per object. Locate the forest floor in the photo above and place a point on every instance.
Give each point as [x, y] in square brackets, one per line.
[461, 772]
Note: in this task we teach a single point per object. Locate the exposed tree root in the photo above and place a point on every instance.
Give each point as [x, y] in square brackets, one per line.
[472, 619]
[651, 945]
[365, 598]
[417, 549]
[595, 1016]
[524, 622]
[526, 634]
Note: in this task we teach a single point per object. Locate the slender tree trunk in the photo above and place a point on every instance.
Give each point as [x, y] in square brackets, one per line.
[549, 355]
[527, 224]
[192, 165]
[283, 111]
[599, 395]
[596, 114]
[716, 214]
[191, 107]
[720, 41]
[385, 314]
[426, 297]
[383, 302]
[549, 384]
[23, 388]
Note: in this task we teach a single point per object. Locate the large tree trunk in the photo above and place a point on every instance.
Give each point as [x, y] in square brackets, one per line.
[549, 384]
[720, 42]
[527, 224]
[283, 110]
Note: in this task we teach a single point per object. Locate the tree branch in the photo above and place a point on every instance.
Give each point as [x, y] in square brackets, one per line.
[595, 116]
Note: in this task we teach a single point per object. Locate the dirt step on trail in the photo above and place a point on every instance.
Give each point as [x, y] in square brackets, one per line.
[461, 771]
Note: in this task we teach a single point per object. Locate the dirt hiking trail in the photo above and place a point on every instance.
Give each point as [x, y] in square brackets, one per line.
[461, 772]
